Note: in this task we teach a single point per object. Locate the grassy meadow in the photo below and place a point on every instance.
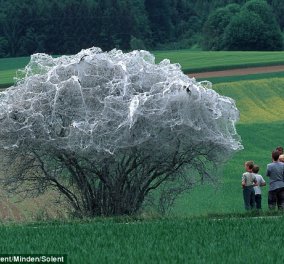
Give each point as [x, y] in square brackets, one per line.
[190, 61]
[8, 69]
[206, 225]
[237, 78]
[155, 241]
[199, 61]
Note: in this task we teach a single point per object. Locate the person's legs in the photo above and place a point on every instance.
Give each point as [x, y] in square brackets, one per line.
[247, 197]
[280, 198]
[258, 201]
[251, 202]
[252, 198]
[272, 197]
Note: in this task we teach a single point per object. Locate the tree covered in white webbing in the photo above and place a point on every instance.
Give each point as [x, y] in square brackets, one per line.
[107, 128]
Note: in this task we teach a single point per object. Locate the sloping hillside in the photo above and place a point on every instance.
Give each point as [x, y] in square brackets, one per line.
[259, 101]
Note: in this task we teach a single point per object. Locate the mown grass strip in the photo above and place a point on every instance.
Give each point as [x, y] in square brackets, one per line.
[191, 60]
[199, 61]
[216, 80]
[231, 67]
[13, 63]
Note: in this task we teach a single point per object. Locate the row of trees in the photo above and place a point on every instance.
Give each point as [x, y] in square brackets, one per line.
[67, 26]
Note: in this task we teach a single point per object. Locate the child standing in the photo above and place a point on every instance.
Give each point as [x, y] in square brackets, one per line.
[248, 182]
[260, 182]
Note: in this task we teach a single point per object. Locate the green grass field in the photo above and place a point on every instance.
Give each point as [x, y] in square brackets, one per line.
[155, 241]
[8, 68]
[191, 61]
[237, 78]
[200, 227]
[199, 61]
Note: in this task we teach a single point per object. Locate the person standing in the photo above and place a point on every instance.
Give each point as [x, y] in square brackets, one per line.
[275, 172]
[260, 183]
[248, 182]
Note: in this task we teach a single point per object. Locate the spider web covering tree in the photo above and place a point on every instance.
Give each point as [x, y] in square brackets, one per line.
[106, 129]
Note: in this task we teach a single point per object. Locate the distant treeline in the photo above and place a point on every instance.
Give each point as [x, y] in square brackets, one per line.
[67, 26]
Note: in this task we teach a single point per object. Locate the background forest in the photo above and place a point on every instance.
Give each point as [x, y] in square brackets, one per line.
[67, 26]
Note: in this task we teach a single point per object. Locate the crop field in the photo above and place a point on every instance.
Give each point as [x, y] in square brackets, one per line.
[207, 224]
[244, 240]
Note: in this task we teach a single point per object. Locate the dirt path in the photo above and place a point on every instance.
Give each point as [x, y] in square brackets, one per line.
[243, 71]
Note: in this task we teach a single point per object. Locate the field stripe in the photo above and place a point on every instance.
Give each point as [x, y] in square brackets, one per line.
[259, 101]
[240, 71]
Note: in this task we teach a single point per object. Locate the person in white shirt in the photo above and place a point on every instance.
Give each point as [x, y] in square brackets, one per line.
[260, 183]
[248, 182]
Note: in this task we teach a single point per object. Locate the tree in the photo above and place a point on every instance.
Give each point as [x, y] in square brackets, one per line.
[278, 10]
[3, 46]
[254, 28]
[11, 27]
[184, 19]
[107, 129]
[215, 26]
[245, 33]
[31, 42]
[135, 44]
[159, 15]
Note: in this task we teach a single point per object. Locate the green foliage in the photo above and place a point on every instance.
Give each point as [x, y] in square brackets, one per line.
[62, 27]
[245, 32]
[215, 26]
[253, 27]
[65, 27]
[184, 43]
[159, 13]
[261, 8]
[136, 44]
[278, 10]
[3, 46]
